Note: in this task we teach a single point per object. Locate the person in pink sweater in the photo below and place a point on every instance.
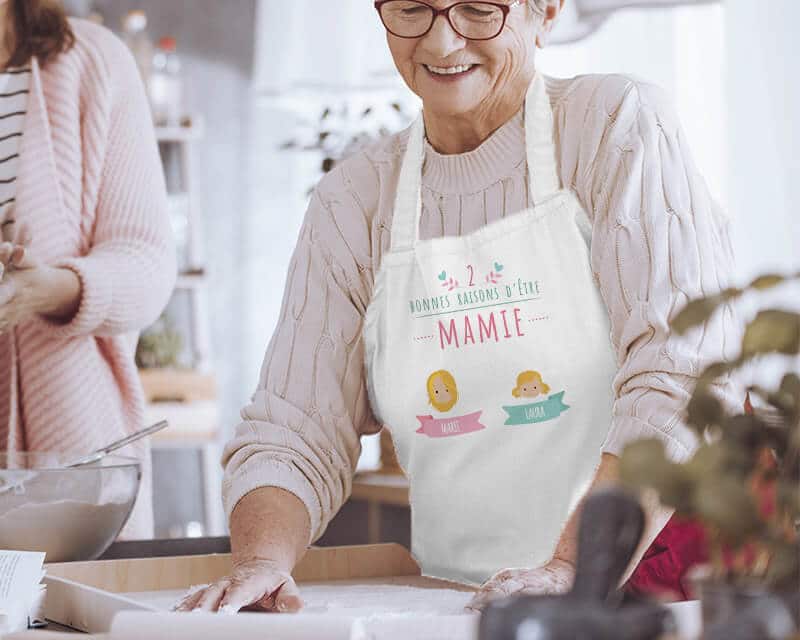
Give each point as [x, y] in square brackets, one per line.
[87, 253]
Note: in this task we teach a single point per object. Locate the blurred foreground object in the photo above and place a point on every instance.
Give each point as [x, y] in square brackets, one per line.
[594, 608]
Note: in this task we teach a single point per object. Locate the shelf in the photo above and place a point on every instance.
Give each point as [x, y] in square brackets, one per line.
[177, 385]
[191, 279]
[193, 131]
[383, 488]
[189, 422]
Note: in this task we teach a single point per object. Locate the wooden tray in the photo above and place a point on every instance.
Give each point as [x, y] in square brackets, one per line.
[114, 597]
[88, 595]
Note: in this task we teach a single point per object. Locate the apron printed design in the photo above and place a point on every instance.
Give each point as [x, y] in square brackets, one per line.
[550, 409]
[488, 321]
[478, 313]
[442, 428]
[443, 396]
[450, 283]
[442, 390]
[531, 385]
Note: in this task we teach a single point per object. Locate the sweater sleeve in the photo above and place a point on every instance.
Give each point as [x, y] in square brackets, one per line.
[301, 430]
[129, 270]
[658, 240]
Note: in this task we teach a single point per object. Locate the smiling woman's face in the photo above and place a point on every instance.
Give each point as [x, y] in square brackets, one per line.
[486, 70]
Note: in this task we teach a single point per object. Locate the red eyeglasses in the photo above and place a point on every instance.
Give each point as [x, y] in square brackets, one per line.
[470, 20]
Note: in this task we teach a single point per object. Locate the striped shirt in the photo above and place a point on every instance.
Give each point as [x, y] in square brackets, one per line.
[14, 90]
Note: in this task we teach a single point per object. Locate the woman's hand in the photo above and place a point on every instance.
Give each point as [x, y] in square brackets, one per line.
[270, 528]
[554, 578]
[28, 287]
[263, 585]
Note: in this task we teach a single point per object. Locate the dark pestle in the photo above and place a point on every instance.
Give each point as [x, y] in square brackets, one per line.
[566, 618]
[611, 528]
[606, 546]
[769, 617]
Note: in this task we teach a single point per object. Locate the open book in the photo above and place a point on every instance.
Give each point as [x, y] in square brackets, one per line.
[21, 591]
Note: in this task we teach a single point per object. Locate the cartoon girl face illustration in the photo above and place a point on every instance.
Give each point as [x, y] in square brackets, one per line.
[530, 385]
[442, 390]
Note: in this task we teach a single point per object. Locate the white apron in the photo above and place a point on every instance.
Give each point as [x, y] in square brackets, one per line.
[488, 356]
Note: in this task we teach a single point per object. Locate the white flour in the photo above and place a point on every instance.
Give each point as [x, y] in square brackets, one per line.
[65, 530]
[368, 599]
[380, 609]
[364, 598]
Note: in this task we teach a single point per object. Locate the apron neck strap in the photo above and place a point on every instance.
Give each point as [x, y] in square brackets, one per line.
[540, 154]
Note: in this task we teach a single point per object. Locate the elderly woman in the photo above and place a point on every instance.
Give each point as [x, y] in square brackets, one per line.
[494, 285]
[87, 252]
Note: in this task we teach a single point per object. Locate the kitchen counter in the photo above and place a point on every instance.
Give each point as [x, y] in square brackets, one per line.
[166, 548]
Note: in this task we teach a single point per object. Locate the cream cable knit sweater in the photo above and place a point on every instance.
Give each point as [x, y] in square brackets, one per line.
[658, 239]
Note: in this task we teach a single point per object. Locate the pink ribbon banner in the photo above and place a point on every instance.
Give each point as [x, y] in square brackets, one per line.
[455, 426]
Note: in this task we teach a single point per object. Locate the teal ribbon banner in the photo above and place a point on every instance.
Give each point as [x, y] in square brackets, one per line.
[538, 412]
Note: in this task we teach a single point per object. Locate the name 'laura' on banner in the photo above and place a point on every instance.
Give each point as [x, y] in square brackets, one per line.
[550, 409]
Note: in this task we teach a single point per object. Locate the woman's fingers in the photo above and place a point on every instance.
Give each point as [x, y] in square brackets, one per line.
[8, 228]
[484, 597]
[259, 584]
[245, 594]
[14, 250]
[6, 249]
[16, 232]
[257, 592]
[17, 256]
[211, 597]
[190, 600]
[288, 599]
[265, 603]
[23, 234]
[13, 255]
[554, 578]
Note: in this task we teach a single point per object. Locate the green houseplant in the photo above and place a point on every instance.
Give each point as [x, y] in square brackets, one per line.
[341, 129]
[743, 483]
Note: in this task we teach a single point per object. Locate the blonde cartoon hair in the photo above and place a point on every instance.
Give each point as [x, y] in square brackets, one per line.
[527, 377]
[450, 382]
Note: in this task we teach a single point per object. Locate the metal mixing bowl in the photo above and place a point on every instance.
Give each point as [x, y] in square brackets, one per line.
[69, 513]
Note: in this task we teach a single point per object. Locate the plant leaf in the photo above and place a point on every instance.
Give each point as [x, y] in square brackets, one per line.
[783, 401]
[772, 331]
[725, 503]
[731, 293]
[644, 464]
[713, 372]
[790, 388]
[768, 281]
[704, 409]
[744, 436]
[783, 572]
[695, 313]
[789, 500]
[638, 459]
